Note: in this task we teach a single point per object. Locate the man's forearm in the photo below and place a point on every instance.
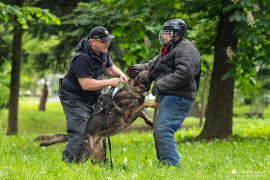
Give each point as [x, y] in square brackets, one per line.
[115, 71]
[93, 84]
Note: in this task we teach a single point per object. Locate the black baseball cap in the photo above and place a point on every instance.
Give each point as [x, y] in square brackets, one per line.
[101, 33]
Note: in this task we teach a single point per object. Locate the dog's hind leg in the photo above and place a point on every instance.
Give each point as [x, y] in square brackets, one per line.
[92, 148]
[145, 118]
[136, 112]
[85, 151]
[150, 104]
[97, 153]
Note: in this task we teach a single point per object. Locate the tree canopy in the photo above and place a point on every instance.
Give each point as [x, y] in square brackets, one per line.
[231, 33]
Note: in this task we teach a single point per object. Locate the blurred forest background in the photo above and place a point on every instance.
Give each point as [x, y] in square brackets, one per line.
[37, 41]
[38, 38]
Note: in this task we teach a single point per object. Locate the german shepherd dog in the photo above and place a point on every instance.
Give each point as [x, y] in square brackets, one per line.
[127, 106]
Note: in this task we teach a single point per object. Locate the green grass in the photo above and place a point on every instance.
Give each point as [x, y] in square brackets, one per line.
[33, 121]
[245, 156]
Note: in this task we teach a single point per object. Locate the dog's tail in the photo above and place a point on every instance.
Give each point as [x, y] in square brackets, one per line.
[47, 140]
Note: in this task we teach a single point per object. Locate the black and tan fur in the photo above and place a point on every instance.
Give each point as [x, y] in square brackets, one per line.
[128, 104]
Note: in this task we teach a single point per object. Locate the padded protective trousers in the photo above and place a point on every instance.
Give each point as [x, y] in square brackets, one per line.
[170, 115]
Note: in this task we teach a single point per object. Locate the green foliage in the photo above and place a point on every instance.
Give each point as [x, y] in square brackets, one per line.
[26, 15]
[37, 59]
[253, 18]
[5, 45]
[135, 24]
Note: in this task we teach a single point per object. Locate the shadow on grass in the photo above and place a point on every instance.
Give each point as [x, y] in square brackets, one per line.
[236, 137]
[145, 128]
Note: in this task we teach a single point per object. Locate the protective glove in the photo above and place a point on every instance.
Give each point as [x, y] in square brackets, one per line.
[155, 90]
[133, 71]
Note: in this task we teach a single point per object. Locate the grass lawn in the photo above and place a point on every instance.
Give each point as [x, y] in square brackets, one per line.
[245, 155]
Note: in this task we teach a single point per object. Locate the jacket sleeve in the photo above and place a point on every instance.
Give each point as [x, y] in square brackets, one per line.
[145, 66]
[186, 67]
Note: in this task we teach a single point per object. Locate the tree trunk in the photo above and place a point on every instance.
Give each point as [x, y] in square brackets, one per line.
[14, 84]
[43, 98]
[203, 95]
[195, 110]
[15, 78]
[219, 111]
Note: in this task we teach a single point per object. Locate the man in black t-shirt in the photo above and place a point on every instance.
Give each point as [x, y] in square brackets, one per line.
[82, 85]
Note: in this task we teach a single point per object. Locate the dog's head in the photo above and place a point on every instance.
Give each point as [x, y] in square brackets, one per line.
[144, 78]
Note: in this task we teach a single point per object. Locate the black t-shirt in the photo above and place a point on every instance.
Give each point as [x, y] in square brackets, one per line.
[93, 68]
[84, 65]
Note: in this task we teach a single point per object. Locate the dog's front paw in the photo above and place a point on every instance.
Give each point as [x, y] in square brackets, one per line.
[156, 105]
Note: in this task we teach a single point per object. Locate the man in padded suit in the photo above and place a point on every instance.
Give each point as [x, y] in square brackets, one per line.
[176, 74]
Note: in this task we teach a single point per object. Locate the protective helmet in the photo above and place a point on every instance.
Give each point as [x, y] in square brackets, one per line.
[175, 27]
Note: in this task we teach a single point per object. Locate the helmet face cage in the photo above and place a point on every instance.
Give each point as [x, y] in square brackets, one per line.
[161, 35]
[176, 28]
